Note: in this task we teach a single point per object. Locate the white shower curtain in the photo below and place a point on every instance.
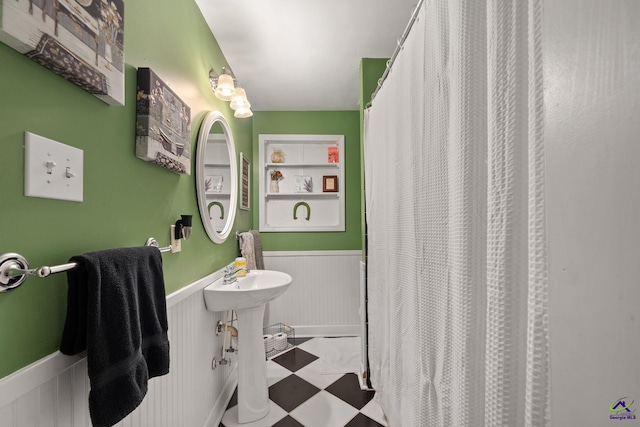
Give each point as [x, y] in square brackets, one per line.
[454, 178]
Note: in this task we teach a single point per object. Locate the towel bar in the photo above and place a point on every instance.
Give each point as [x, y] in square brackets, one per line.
[14, 268]
[238, 233]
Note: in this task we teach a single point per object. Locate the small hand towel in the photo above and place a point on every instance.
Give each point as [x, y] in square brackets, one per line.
[247, 249]
[257, 249]
[116, 310]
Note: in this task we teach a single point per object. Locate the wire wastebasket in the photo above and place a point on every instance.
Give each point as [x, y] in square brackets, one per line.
[277, 338]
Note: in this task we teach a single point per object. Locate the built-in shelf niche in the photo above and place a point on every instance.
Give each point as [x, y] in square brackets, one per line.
[314, 157]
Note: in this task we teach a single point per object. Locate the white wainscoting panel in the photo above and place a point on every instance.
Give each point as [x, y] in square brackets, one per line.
[324, 297]
[54, 390]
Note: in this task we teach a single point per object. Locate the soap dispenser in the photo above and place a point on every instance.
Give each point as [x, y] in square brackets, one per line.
[241, 262]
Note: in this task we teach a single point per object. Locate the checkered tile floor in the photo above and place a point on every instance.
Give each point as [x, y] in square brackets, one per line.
[306, 390]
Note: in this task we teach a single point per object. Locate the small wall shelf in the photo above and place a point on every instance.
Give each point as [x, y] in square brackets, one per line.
[307, 158]
[303, 165]
[299, 196]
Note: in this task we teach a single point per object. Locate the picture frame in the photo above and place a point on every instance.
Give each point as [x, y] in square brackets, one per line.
[82, 42]
[213, 183]
[303, 184]
[333, 155]
[245, 183]
[163, 125]
[330, 184]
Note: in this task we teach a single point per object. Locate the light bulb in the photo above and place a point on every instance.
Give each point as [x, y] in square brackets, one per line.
[242, 113]
[225, 89]
[239, 100]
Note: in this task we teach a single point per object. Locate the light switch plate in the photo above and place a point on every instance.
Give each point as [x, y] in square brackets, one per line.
[52, 170]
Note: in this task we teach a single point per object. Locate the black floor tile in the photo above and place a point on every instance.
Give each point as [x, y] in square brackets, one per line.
[295, 359]
[362, 420]
[347, 388]
[290, 392]
[287, 422]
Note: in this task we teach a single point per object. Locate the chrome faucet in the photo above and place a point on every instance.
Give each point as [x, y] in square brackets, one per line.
[231, 275]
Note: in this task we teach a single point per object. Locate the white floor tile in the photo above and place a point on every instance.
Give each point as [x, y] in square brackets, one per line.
[312, 346]
[340, 355]
[276, 413]
[374, 411]
[312, 374]
[275, 373]
[324, 410]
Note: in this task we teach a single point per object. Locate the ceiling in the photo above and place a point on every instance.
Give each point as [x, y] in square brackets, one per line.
[304, 55]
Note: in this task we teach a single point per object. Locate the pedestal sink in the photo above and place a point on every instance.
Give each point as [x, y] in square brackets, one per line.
[248, 296]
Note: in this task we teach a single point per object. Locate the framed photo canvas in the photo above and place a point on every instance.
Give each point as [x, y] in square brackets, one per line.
[163, 125]
[245, 182]
[303, 184]
[333, 155]
[80, 40]
[330, 183]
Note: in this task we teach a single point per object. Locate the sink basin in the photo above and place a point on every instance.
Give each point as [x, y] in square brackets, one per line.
[256, 288]
[248, 296]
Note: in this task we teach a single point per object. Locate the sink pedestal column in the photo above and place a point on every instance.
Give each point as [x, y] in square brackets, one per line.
[253, 393]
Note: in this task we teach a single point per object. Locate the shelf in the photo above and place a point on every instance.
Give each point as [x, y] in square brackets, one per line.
[280, 228]
[302, 165]
[217, 165]
[215, 194]
[302, 195]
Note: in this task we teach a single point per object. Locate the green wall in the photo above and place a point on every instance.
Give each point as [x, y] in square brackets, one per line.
[126, 200]
[371, 70]
[324, 123]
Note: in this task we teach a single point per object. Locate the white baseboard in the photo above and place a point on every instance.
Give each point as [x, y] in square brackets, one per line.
[304, 331]
[217, 412]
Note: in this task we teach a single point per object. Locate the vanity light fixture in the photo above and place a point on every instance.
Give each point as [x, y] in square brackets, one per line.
[240, 104]
[181, 230]
[224, 87]
[223, 84]
[242, 113]
[239, 99]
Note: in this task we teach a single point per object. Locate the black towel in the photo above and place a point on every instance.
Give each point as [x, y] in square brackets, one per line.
[117, 311]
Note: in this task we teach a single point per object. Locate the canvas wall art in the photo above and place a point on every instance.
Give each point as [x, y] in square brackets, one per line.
[80, 40]
[163, 124]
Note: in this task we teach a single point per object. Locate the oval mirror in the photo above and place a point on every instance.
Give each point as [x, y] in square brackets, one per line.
[216, 176]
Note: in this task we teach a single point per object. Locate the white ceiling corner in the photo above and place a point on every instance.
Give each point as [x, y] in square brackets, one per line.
[293, 55]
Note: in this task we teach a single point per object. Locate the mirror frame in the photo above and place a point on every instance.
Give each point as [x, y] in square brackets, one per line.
[210, 119]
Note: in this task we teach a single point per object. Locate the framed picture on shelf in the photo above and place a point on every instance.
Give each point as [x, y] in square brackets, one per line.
[330, 184]
[303, 184]
[333, 155]
[245, 182]
[213, 183]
